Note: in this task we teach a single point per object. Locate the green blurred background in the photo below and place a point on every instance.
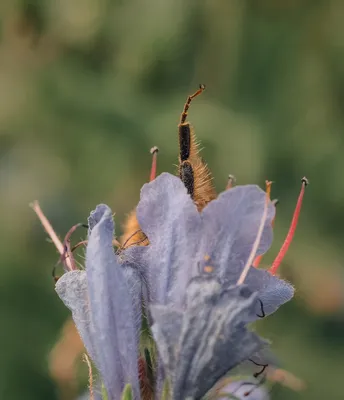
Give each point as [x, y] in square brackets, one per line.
[87, 87]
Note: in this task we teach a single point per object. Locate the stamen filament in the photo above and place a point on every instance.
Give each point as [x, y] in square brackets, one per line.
[154, 151]
[256, 242]
[291, 231]
[67, 254]
[47, 226]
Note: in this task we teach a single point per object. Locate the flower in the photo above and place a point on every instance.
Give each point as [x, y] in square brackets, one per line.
[191, 268]
[105, 303]
[184, 241]
[188, 274]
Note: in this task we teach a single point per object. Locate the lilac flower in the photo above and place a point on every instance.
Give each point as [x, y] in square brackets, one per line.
[189, 274]
[186, 304]
[206, 340]
[183, 242]
[105, 303]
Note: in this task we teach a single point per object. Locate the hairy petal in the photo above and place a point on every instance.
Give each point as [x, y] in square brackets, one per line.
[72, 290]
[96, 215]
[112, 308]
[131, 270]
[183, 242]
[273, 291]
[231, 224]
[168, 216]
[203, 343]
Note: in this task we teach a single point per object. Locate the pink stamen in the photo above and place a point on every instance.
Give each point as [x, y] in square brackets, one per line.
[257, 261]
[154, 151]
[292, 229]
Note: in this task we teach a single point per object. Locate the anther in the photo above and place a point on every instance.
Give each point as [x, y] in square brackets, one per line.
[154, 151]
[291, 231]
[305, 181]
[231, 181]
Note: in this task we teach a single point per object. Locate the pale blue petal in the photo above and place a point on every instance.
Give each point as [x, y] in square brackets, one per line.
[72, 290]
[231, 223]
[208, 339]
[273, 291]
[111, 307]
[169, 218]
[96, 215]
[230, 227]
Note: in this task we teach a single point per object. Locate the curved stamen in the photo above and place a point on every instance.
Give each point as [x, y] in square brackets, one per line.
[256, 242]
[291, 231]
[67, 248]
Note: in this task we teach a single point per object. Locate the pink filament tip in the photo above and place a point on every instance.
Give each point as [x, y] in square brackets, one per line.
[154, 151]
[257, 261]
[292, 229]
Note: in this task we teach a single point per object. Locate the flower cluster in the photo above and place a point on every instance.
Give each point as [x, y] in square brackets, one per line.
[197, 302]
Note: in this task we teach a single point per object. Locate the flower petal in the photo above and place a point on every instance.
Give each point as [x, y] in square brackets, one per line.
[96, 215]
[72, 290]
[112, 308]
[131, 269]
[206, 341]
[183, 242]
[273, 291]
[231, 224]
[168, 216]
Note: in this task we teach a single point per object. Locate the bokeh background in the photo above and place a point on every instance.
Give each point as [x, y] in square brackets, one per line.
[87, 87]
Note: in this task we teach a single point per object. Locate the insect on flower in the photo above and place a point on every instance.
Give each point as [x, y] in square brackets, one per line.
[192, 256]
[196, 176]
